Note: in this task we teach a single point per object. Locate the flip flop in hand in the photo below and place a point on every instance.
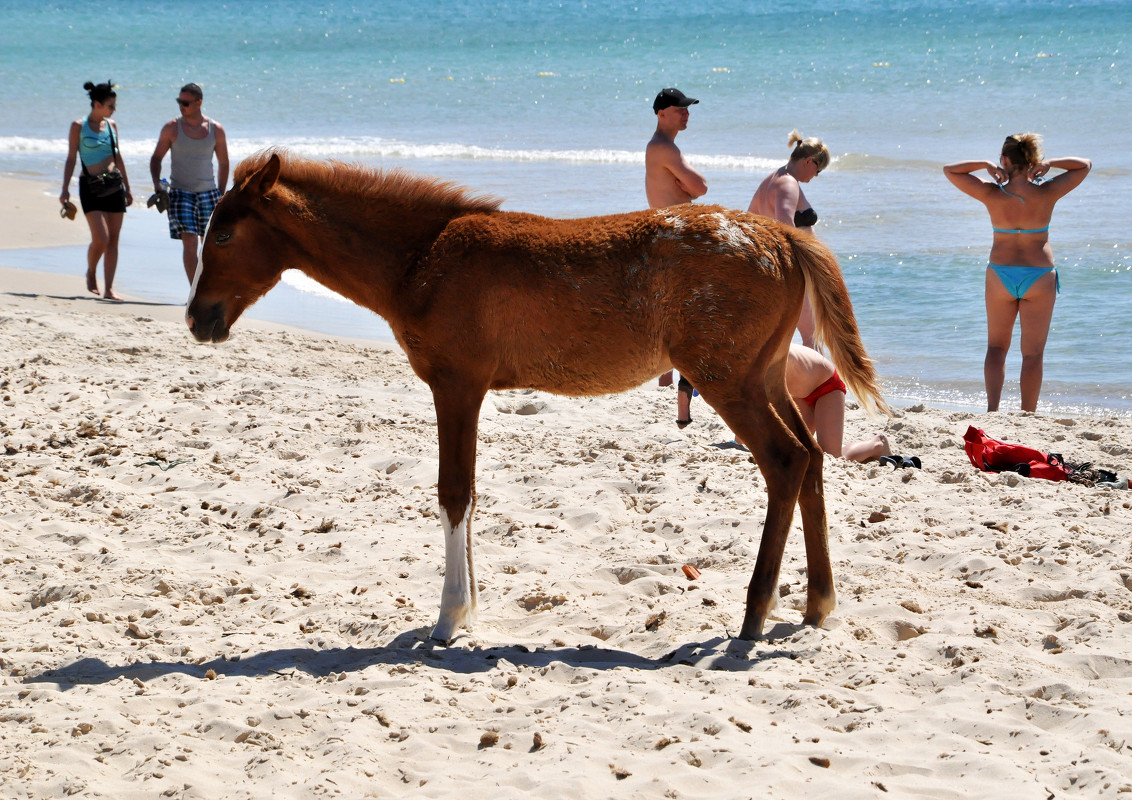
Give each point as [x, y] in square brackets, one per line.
[159, 199]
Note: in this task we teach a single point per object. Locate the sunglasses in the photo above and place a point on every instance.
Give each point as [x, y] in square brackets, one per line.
[185, 103]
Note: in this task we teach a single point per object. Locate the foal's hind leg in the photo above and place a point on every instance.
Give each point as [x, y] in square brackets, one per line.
[782, 459]
[820, 595]
[457, 414]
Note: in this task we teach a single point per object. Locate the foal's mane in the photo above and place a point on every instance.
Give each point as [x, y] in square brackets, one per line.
[354, 180]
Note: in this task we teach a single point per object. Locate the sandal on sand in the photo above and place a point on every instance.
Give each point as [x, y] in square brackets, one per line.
[683, 423]
[900, 462]
[68, 210]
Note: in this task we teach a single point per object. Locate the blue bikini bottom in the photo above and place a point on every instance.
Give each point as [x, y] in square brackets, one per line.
[1018, 280]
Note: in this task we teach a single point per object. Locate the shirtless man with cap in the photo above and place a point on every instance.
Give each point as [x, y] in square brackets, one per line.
[669, 181]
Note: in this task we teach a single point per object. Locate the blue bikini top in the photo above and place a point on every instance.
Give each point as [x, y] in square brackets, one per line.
[1017, 230]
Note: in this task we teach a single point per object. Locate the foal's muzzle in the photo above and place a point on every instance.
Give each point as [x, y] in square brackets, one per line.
[207, 325]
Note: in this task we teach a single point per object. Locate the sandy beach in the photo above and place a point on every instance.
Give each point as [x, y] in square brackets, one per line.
[221, 565]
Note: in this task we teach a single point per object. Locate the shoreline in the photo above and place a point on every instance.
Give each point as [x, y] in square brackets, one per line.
[31, 215]
[149, 270]
[148, 259]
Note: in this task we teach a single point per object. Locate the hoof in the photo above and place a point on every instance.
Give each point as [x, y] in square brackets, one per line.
[752, 631]
[449, 625]
[443, 633]
[818, 607]
[755, 618]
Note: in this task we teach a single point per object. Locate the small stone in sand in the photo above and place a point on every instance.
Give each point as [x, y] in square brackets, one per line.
[618, 772]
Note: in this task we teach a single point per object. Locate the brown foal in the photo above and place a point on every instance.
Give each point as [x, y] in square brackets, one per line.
[484, 299]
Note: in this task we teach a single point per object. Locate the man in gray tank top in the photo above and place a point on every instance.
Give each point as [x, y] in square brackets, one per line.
[192, 139]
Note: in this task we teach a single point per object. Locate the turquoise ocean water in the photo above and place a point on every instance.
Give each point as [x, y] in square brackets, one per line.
[547, 105]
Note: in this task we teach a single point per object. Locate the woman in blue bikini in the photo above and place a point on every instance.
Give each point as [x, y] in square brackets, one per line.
[1021, 280]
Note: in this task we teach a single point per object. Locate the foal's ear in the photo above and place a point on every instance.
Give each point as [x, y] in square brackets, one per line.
[263, 180]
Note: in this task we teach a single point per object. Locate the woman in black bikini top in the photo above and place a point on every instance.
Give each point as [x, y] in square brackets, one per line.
[780, 197]
[806, 218]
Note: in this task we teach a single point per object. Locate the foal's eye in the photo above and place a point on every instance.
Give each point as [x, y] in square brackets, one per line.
[221, 238]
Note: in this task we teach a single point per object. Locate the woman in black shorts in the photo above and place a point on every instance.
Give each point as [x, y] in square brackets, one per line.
[94, 140]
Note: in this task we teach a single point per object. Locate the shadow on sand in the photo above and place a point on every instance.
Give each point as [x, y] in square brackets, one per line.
[72, 298]
[416, 648]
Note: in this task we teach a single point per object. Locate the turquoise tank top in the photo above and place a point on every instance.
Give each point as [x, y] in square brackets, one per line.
[95, 146]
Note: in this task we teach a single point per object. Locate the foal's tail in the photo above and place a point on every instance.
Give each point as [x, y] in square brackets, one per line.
[834, 323]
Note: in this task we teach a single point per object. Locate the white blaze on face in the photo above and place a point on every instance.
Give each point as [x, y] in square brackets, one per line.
[199, 270]
[196, 280]
[457, 600]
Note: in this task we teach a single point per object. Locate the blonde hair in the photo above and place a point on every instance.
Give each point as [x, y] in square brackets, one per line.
[808, 148]
[1023, 149]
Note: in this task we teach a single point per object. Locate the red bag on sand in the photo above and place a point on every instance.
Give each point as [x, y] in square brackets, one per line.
[991, 455]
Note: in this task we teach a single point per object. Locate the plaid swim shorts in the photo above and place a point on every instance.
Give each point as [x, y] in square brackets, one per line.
[189, 211]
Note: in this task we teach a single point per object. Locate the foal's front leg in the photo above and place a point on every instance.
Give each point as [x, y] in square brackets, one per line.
[457, 414]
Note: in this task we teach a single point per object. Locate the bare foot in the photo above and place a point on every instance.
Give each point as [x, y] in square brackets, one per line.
[91, 283]
[868, 449]
[111, 296]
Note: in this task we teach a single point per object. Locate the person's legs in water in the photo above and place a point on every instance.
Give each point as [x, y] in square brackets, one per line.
[1036, 312]
[1002, 310]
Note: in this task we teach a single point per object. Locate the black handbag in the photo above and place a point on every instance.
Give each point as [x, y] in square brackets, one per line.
[107, 183]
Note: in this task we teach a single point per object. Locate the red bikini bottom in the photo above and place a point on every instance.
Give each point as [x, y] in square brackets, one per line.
[834, 384]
